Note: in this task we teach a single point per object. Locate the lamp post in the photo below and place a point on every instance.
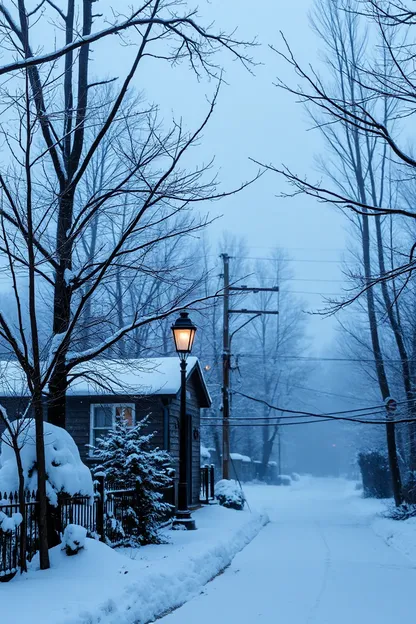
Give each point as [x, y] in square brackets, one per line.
[183, 334]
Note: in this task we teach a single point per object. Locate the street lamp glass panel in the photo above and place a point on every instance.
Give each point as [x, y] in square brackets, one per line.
[183, 334]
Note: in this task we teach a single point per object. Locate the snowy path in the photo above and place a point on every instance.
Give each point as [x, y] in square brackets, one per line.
[317, 562]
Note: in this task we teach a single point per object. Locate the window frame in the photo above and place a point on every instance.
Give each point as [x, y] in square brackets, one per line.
[114, 407]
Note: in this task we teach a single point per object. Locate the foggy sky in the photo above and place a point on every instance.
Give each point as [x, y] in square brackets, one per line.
[255, 119]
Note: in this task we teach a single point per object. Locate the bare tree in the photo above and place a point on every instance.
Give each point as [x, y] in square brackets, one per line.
[357, 114]
[54, 132]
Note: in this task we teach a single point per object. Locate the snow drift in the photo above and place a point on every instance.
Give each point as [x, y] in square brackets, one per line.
[65, 470]
[104, 586]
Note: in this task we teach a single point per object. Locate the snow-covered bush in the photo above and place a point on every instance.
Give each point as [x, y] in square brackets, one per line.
[74, 539]
[404, 512]
[64, 468]
[125, 455]
[229, 494]
[375, 474]
[409, 488]
[283, 480]
[295, 476]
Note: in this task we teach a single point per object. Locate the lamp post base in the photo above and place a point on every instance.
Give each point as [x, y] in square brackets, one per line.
[184, 521]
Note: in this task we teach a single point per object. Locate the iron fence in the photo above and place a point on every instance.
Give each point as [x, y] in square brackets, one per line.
[207, 484]
[106, 516]
[10, 540]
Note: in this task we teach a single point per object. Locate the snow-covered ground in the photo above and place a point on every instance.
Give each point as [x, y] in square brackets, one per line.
[319, 561]
[100, 585]
[325, 558]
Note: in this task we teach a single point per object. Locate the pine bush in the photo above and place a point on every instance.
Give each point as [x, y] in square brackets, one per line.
[375, 474]
[126, 456]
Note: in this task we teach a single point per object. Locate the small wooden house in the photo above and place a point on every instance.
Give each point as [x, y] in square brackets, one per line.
[131, 389]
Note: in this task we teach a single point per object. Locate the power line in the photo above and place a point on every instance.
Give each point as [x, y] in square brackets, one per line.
[266, 419]
[308, 358]
[340, 396]
[278, 248]
[307, 279]
[277, 260]
[334, 415]
[303, 422]
[309, 292]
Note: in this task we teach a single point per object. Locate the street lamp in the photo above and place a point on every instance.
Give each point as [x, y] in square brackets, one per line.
[184, 335]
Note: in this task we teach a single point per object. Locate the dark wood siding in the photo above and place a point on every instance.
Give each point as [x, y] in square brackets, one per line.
[193, 409]
[78, 421]
[79, 415]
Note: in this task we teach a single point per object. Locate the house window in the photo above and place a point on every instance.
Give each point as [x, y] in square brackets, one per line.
[103, 418]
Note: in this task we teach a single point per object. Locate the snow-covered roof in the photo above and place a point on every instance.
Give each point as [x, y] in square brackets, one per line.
[146, 376]
[244, 458]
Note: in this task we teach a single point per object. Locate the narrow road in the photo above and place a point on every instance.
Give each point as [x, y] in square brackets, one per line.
[317, 562]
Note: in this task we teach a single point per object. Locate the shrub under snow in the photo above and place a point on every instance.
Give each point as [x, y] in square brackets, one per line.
[74, 539]
[64, 468]
[229, 494]
[283, 480]
[126, 456]
[403, 512]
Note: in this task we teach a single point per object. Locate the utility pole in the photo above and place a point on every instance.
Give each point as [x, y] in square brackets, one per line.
[226, 371]
[226, 353]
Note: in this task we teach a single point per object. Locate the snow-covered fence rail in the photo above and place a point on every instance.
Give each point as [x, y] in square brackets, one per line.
[207, 484]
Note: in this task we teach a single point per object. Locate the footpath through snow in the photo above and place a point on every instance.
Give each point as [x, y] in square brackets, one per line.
[319, 561]
[103, 586]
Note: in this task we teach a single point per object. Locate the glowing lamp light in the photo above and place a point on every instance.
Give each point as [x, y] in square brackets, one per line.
[184, 335]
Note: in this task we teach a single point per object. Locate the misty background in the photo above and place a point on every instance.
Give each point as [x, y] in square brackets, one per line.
[307, 359]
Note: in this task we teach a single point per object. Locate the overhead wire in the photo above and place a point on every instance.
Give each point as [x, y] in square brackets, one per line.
[360, 415]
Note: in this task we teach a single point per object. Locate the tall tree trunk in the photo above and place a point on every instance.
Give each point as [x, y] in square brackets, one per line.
[401, 347]
[372, 318]
[379, 364]
[72, 155]
[61, 311]
[41, 470]
[34, 331]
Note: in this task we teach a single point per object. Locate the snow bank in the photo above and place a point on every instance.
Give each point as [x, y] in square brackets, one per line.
[283, 480]
[400, 534]
[65, 470]
[103, 586]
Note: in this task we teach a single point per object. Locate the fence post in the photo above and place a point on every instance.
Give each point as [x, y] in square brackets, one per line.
[206, 484]
[212, 480]
[101, 507]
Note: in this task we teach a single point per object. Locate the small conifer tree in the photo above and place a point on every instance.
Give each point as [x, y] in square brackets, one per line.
[126, 457]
